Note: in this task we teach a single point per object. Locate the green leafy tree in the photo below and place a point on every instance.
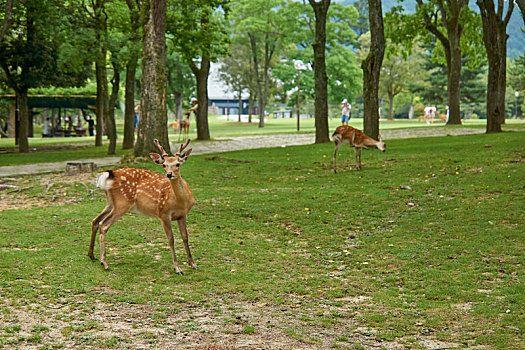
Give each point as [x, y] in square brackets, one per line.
[198, 29]
[33, 54]
[131, 25]
[264, 24]
[454, 26]
[342, 72]
[396, 71]
[235, 71]
[181, 81]
[516, 76]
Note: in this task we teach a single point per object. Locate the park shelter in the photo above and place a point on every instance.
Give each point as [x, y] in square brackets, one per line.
[54, 103]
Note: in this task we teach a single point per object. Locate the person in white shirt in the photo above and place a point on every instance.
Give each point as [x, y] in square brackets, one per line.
[345, 111]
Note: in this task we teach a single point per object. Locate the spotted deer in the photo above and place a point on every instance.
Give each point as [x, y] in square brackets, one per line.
[167, 197]
[357, 139]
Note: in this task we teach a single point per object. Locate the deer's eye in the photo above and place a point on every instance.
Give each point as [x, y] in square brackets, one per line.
[164, 165]
[178, 165]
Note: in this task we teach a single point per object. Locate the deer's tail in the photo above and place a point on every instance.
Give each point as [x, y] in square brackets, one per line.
[104, 180]
[336, 137]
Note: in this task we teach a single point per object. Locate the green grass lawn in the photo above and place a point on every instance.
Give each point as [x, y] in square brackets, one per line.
[441, 260]
[46, 150]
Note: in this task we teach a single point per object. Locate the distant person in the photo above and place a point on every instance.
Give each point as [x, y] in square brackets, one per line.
[427, 113]
[194, 106]
[137, 111]
[47, 128]
[68, 125]
[345, 111]
[91, 125]
[433, 111]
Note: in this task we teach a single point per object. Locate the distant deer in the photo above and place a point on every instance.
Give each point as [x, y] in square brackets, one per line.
[175, 125]
[166, 197]
[357, 139]
[184, 126]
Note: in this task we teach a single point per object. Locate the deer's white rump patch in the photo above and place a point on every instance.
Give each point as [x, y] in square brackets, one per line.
[103, 181]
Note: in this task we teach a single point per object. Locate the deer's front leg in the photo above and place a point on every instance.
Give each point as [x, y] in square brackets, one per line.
[166, 223]
[184, 234]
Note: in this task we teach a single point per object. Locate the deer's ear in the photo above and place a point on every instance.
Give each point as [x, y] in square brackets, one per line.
[185, 155]
[380, 138]
[156, 158]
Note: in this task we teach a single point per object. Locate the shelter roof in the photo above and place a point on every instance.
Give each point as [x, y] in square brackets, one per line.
[58, 101]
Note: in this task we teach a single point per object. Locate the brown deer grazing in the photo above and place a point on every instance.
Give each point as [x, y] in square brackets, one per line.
[166, 197]
[355, 138]
[184, 126]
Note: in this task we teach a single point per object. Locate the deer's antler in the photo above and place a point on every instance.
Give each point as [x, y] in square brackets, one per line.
[182, 147]
[161, 149]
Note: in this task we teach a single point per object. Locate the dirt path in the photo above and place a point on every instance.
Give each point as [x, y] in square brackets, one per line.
[238, 143]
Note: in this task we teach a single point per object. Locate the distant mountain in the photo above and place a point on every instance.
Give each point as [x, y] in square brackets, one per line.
[515, 43]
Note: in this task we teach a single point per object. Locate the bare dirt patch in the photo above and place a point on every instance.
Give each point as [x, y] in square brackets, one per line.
[44, 190]
[227, 324]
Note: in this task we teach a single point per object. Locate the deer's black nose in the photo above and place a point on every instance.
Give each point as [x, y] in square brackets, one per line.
[169, 175]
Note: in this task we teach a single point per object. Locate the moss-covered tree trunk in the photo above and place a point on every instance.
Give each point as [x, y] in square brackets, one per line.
[153, 116]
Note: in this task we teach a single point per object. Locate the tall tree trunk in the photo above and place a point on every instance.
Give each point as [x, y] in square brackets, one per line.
[102, 98]
[131, 69]
[153, 117]
[262, 86]
[453, 53]
[495, 39]
[240, 104]
[179, 90]
[251, 99]
[129, 113]
[201, 78]
[255, 61]
[451, 20]
[110, 122]
[23, 117]
[371, 66]
[321, 92]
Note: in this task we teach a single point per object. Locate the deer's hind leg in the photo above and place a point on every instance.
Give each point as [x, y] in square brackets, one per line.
[95, 224]
[115, 214]
[337, 145]
[358, 157]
